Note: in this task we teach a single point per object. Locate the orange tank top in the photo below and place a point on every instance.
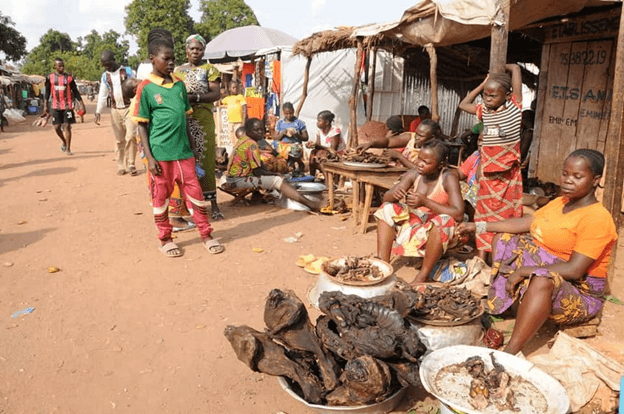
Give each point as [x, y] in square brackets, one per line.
[439, 194]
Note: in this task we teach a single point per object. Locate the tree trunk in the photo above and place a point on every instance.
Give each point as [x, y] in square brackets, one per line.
[371, 85]
[433, 74]
[498, 51]
[304, 92]
[353, 136]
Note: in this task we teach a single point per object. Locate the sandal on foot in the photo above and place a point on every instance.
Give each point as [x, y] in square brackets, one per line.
[213, 246]
[63, 148]
[217, 216]
[133, 171]
[189, 226]
[121, 172]
[170, 249]
[68, 152]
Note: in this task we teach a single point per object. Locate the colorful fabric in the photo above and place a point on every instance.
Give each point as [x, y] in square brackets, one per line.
[438, 194]
[266, 182]
[182, 173]
[234, 105]
[255, 107]
[276, 81]
[297, 124]
[62, 89]
[326, 139]
[412, 227]
[470, 187]
[196, 37]
[502, 126]
[572, 301]
[589, 231]
[164, 107]
[201, 121]
[245, 158]
[500, 193]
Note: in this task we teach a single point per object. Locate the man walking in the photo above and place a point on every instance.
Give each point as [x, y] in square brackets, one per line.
[61, 91]
[123, 127]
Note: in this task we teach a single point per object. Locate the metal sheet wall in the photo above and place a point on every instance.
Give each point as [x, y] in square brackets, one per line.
[417, 92]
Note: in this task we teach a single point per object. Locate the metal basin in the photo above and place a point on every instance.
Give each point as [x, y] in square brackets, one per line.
[385, 406]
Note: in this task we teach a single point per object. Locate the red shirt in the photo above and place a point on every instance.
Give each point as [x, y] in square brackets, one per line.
[62, 89]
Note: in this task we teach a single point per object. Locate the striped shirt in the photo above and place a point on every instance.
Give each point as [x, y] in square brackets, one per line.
[502, 126]
[63, 90]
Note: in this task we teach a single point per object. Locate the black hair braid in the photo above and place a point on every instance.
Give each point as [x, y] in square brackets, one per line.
[594, 158]
[503, 80]
[440, 147]
[327, 116]
[435, 127]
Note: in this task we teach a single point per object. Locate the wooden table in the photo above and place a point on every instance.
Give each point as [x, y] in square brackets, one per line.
[383, 176]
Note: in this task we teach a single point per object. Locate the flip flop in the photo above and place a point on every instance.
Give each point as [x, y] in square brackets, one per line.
[213, 246]
[189, 226]
[63, 148]
[168, 248]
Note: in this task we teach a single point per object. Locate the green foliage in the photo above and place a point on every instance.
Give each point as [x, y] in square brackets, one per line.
[221, 15]
[82, 58]
[12, 42]
[145, 15]
[614, 299]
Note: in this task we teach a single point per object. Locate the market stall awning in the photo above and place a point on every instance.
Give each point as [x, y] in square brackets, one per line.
[449, 22]
[245, 41]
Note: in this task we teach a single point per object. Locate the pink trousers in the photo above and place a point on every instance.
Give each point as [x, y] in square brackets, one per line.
[161, 187]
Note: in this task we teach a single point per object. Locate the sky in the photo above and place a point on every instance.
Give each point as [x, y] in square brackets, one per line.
[298, 18]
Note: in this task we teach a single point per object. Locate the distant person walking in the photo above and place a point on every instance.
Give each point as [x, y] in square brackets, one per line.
[61, 90]
[121, 124]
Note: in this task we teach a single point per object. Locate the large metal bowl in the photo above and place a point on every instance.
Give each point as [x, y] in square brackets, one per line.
[306, 188]
[554, 393]
[385, 406]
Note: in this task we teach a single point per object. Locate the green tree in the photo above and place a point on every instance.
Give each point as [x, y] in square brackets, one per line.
[40, 60]
[145, 15]
[12, 42]
[221, 15]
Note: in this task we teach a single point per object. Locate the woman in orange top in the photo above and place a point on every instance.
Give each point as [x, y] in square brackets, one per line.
[421, 212]
[554, 263]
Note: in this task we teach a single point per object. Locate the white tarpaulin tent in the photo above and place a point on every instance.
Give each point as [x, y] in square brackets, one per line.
[330, 86]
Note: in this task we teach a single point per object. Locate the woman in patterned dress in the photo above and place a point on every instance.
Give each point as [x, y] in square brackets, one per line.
[553, 264]
[202, 82]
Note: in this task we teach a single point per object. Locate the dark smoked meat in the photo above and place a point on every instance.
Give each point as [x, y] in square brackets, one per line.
[365, 380]
[287, 320]
[369, 327]
[489, 387]
[261, 354]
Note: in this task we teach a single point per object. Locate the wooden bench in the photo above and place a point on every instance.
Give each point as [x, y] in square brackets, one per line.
[239, 194]
[370, 182]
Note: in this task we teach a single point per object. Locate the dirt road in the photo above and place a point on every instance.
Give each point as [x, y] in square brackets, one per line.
[121, 328]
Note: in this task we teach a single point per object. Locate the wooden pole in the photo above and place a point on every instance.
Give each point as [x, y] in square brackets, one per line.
[304, 92]
[433, 75]
[353, 136]
[371, 85]
[498, 51]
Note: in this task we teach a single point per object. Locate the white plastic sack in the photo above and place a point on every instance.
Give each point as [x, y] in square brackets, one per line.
[14, 116]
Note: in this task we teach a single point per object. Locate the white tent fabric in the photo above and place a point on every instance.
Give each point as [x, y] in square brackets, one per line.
[329, 87]
[245, 41]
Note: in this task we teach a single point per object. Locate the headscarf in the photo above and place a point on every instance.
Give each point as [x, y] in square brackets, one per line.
[196, 37]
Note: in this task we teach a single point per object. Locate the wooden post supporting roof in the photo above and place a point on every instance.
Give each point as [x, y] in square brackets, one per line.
[433, 75]
[371, 85]
[304, 92]
[498, 51]
[353, 136]
[614, 147]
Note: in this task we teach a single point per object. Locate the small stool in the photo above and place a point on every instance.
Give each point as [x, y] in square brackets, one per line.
[239, 194]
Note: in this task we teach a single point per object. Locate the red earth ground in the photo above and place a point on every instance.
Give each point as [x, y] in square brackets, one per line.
[123, 329]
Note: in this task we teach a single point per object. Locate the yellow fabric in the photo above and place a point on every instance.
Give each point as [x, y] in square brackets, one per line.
[234, 105]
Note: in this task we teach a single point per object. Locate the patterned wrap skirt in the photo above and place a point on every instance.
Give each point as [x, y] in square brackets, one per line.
[412, 227]
[573, 301]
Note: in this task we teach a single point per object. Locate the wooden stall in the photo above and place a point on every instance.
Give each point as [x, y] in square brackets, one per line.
[576, 89]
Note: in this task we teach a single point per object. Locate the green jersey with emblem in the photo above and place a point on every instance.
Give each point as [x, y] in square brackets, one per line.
[164, 107]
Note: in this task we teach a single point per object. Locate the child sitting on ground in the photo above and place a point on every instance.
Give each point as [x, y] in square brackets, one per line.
[329, 141]
[161, 109]
[247, 171]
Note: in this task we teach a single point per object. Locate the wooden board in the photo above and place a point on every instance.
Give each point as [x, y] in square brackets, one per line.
[593, 26]
[576, 102]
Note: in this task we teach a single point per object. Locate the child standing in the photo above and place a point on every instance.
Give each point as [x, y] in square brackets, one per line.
[236, 108]
[500, 185]
[161, 111]
[328, 141]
